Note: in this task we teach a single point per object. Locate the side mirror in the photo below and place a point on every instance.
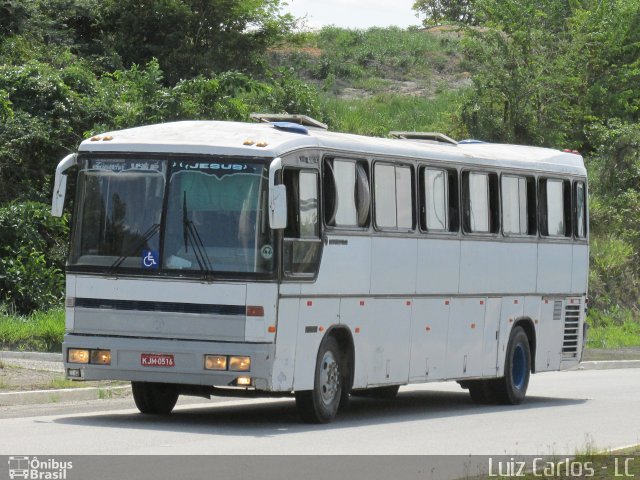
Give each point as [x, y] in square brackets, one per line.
[277, 198]
[278, 207]
[60, 184]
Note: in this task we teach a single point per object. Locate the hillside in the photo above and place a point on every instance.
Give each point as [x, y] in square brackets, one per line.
[379, 80]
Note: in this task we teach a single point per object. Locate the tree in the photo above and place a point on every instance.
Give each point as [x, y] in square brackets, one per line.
[194, 37]
[438, 11]
[525, 88]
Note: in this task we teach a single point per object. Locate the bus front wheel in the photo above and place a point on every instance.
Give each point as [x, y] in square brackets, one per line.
[154, 398]
[320, 405]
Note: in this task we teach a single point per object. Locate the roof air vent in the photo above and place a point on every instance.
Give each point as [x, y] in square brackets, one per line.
[283, 118]
[291, 127]
[434, 137]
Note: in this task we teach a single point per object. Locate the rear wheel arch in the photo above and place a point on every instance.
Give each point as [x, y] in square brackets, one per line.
[527, 325]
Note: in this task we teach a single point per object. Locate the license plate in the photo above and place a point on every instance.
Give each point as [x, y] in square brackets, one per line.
[157, 360]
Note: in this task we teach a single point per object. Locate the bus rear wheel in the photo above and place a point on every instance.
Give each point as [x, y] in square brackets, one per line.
[154, 398]
[512, 388]
[321, 404]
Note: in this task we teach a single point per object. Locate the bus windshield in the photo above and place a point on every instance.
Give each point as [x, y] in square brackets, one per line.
[173, 216]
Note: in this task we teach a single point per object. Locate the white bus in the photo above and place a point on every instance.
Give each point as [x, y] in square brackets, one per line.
[216, 258]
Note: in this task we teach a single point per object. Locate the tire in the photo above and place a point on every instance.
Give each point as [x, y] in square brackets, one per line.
[321, 404]
[382, 393]
[481, 391]
[512, 388]
[154, 398]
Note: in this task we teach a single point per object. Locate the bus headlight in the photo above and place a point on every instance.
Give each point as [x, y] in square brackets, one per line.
[215, 362]
[78, 355]
[239, 364]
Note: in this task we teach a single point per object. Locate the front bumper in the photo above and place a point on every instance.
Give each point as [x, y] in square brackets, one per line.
[189, 361]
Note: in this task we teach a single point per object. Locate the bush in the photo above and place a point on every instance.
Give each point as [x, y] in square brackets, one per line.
[32, 256]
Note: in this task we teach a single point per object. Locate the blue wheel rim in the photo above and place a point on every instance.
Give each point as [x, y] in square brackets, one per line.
[518, 368]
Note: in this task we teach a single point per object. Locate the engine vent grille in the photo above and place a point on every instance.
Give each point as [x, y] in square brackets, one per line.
[557, 310]
[571, 331]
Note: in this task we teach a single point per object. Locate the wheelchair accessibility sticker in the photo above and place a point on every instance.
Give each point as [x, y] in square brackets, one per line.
[150, 259]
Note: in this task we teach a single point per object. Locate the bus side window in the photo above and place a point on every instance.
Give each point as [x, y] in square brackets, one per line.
[347, 196]
[480, 199]
[518, 205]
[302, 245]
[438, 200]
[580, 197]
[393, 190]
[555, 207]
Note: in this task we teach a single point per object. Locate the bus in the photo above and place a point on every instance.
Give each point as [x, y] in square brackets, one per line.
[279, 258]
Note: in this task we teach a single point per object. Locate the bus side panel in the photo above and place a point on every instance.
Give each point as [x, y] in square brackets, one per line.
[466, 334]
[554, 268]
[429, 329]
[345, 268]
[356, 315]
[492, 315]
[286, 336]
[580, 272]
[316, 315]
[393, 265]
[387, 338]
[438, 266]
[497, 267]
[264, 295]
[512, 309]
[549, 351]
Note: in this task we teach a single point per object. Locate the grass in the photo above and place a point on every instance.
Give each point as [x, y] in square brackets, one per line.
[380, 114]
[377, 53]
[41, 331]
[612, 335]
[618, 328]
[59, 383]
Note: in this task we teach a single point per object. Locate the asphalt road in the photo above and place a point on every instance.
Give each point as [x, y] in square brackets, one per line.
[564, 412]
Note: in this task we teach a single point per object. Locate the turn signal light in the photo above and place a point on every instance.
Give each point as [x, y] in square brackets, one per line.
[101, 357]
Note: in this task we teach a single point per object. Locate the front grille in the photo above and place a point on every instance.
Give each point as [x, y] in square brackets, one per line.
[571, 331]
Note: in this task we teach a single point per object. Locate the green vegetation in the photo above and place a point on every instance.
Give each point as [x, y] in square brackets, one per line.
[548, 73]
[41, 331]
[614, 331]
[380, 114]
[61, 382]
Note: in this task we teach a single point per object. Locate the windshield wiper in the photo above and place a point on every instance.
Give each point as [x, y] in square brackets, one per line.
[190, 235]
[146, 236]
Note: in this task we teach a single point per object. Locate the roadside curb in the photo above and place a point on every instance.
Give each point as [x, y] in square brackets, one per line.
[609, 364]
[32, 397]
[41, 356]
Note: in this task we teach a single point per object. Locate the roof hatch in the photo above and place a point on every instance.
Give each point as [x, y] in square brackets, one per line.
[285, 117]
[425, 136]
